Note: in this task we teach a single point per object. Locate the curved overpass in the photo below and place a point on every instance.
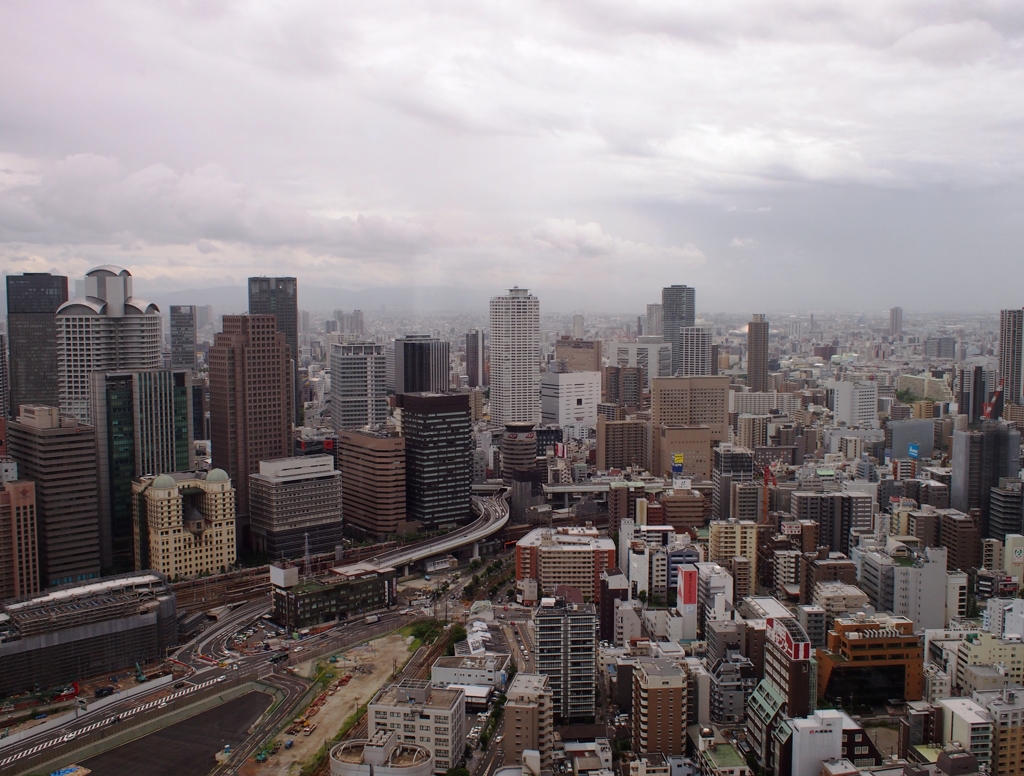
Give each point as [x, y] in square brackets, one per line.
[493, 517]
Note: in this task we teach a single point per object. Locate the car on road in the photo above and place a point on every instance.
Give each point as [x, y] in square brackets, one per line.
[221, 678]
[178, 685]
[163, 705]
[297, 649]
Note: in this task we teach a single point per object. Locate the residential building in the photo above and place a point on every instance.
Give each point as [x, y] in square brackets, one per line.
[967, 722]
[733, 679]
[908, 583]
[143, 425]
[1011, 355]
[622, 444]
[960, 534]
[358, 385]
[757, 353]
[624, 387]
[185, 523]
[528, 719]
[372, 466]
[1006, 508]
[515, 370]
[835, 513]
[678, 309]
[279, 297]
[427, 716]
[895, 322]
[980, 459]
[787, 664]
[660, 706]
[33, 299]
[573, 556]
[729, 539]
[1006, 710]
[655, 326]
[251, 398]
[570, 400]
[422, 364]
[695, 351]
[730, 464]
[58, 454]
[566, 652]
[295, 506]
[183, 337]
[19, 547]
[990, 649]
[106, 330]
[438, 435]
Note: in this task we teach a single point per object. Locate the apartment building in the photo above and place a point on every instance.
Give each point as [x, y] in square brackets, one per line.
[566, 652]
[660, 704]
[574, 556]
[424, 715]
[529, 719]
[729, 539]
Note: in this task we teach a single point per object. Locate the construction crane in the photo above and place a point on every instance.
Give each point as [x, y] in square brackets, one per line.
[987, 407]
[769, 478]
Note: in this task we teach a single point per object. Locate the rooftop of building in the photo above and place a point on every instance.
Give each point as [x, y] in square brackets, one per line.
[724, 755]
[473, 662]
[568, 538]
[529, 683]
[417, 692]
[970, 711]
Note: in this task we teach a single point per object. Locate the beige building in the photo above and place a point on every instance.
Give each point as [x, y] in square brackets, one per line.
[19, 551]
[693, 443]
[185, 523]
[575, 556]
[423, 715]
[728, 539]
[1007, 713]
[660, 702]
[529, 721]
[578, 355]
[837, 598]
[989, 649]
[692, 401]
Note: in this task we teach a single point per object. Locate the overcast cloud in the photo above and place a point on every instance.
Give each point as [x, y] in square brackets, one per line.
[783, 155]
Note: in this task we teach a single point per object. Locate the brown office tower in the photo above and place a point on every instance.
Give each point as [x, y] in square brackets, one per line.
[577, 355]
[961, 536]
[659, 706]
[19, 552]
[692, 401]
[58, 454]
[372, 468]
[757, 353]
[624, 386]
[251, 403]
[279, 297]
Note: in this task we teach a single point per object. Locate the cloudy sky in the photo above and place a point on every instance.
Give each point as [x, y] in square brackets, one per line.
[776, 155]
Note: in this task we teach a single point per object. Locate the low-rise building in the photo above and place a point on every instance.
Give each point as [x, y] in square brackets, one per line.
[968, 723]
[303, 603]
[573, 556]
[490, 670]
[383, 754]
[423, 715]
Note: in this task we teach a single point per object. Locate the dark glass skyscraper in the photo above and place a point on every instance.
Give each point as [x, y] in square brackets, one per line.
[422, 364]
[757, 353]
[280, 297]
[32, 302]
[183, 337]
[438, 458]
[475, 358]
[678, 309]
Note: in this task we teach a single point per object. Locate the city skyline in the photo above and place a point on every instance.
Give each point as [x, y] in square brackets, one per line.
[481, 149]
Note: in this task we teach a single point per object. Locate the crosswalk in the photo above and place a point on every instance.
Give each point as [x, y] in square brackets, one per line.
[70, 735]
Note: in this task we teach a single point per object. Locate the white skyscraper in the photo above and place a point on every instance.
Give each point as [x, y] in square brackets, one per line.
[695, 351]
[570, 399]
[515, 357]
[577, 327]
[107, 329]
[654, 326]
[358, 393]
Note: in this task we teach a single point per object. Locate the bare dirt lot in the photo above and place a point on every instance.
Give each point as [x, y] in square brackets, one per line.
[370, 667]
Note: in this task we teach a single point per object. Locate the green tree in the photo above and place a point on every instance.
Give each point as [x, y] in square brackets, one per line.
[642, 596]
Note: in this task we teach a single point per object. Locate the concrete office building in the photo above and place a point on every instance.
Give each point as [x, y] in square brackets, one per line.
[570, 400]
[967, 722]
[373, 489]
[1006, 508]
[19, 548]
[624, 386]
[678, 309]
[566, 652]
[655, 326]
[438, 459]
[757, 353]
[306, 603]
[280, 297]
[185, 523]
[437, 719]
[32, 302]
[183, 337]
[422, 364]
[102, 627]
[1011, 355]
[660, 706]
[251, 398]
[752, 430]
[960, 534]
[573, 556]
[910, 584]
[5, 382]
[529, 719]
[295, 506]
[692, 401]
[688, 447]
[853, 403]
[143, 425]
[515, 357]
[835, 514]
[359, 396]
[651, 354]
[58, 454]
[476, 367]
[106, 330]
[895, 321]
[489, 670]
[695, 351]
[577, 355]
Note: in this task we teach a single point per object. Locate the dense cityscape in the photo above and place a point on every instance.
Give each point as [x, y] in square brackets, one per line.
[517, 543]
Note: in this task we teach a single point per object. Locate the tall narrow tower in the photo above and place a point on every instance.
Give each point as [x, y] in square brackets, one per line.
[895, 322]
[695, 358]
[757, 353]
[359, 394]
[32, 302]
[280, 297]
[678, 309]
[1011, 345]
[475, 358]
[515, 357]
[183, 337]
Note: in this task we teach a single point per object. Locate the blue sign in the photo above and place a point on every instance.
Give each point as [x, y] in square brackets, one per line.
[912, 450]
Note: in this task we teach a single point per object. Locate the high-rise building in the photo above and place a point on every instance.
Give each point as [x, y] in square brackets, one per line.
[1011, 355]
[854, 403]
[5, 380]
[438, 459]
[359, 395]
[974, 384]
[622, 443]
[695, 351]
[678, 309]
[577, 327]
[280, 297]
[184, 523]
[895, 321]
[1006, 508]
[183, 337]
[729, 539]
[529, 719]
[32, 302]
[980, 459]
[624, 386]
[549, 557]
[569, 400]
[422, 364]
[372, 465]
[107, 329]
[58, 454]
[295, 506]
[475, 357]
[692, 401]
[757, 353]
[960, 534]
[730, 464]
[566, 652]
[515, 370]
[835, 514]
[19, 547]
[577, 355]
[143, 425]
[655, 326]
[251, 395]
[660, 706]
[1006, 710]
[651, 354]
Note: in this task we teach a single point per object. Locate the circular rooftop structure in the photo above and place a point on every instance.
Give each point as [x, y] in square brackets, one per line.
[217, 475]
[164, 481]
[383, 754]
